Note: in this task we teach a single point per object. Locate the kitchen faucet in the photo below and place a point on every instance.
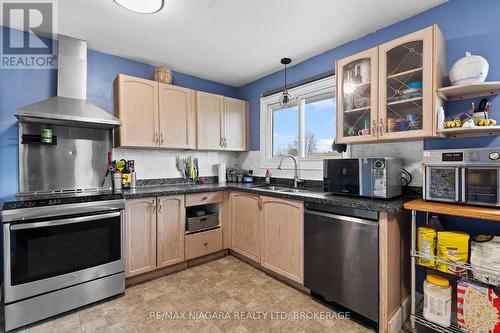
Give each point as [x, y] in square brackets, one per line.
[296, 179]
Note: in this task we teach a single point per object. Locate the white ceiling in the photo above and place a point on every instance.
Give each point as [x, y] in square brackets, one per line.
[229, 41]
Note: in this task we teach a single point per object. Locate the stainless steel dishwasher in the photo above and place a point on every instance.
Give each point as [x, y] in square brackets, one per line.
[341, 257]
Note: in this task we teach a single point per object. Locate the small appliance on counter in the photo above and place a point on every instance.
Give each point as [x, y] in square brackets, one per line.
[466, 176]
[378, 177]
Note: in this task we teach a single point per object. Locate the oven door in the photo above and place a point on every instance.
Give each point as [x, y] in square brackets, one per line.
[481, 186]
[442, 183]
[47, 255]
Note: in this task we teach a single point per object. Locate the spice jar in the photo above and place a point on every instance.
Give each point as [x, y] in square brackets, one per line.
[437, 300]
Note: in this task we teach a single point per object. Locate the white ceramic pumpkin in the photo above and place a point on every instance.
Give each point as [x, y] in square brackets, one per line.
[468, 70]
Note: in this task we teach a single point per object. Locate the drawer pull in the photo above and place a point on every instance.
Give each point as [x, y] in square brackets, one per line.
[204, 198]
[205, 244]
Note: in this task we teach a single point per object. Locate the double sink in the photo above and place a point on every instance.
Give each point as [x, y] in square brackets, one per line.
[282, 189]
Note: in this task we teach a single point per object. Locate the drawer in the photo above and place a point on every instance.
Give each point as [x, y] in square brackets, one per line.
[196, 199]
[203, 243]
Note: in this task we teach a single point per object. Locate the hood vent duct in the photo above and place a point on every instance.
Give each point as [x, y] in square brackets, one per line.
[70, 107]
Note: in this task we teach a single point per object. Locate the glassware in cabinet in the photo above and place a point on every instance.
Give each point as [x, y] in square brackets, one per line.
[357, 97]
[406, 86]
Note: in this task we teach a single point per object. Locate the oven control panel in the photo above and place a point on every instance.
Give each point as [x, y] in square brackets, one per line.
[459, 157]
[60, 200]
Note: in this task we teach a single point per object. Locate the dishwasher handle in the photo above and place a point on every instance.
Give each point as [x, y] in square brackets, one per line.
[342, 217]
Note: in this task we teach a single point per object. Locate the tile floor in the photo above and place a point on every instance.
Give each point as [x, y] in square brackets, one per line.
[227, 286]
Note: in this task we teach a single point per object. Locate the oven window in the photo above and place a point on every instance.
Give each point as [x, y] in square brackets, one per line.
[43, 252]
[482, 186]
[442, 183]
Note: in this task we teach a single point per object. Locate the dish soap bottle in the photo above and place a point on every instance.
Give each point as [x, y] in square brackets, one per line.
[268, 177]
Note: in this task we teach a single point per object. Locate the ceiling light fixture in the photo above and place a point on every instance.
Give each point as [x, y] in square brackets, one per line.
[142, 6]
[286, 99]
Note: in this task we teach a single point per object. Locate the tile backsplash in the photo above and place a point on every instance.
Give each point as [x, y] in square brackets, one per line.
[155, 164]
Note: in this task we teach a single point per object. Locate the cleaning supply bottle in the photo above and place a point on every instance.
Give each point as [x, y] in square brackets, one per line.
[268, 177]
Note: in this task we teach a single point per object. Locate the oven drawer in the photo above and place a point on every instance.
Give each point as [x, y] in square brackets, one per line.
[196, 199]
[203, 243]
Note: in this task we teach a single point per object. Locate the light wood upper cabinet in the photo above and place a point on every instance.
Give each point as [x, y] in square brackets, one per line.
[140, 236]
[170, 230]
[176, 117]
[136, 104]
[235, 124]
[209, 120]
[246, 224]
[282, 237]
[357, 97]
[398, 101]
[221, 122]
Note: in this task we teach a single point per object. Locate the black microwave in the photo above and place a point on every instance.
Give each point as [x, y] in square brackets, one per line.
[377, 177]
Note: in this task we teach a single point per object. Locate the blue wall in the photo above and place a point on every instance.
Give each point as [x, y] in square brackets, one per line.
[463, 29]
[22, 87]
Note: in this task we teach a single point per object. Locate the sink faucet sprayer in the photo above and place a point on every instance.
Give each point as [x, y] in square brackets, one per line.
[296, 179]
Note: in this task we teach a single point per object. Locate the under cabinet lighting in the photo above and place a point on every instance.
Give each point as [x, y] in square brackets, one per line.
[142, 6]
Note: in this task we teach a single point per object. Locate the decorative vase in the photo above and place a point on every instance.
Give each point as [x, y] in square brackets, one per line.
[163, 75]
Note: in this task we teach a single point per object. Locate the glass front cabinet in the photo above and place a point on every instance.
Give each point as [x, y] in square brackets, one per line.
[389, 92]
[357, 97]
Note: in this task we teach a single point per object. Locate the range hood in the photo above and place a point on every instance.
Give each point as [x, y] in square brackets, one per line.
[70, 107]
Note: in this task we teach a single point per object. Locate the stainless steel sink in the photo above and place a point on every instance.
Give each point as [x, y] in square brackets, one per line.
[271, 188]
[294, 190]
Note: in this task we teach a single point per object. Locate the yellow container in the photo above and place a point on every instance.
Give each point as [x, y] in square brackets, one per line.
[452, 246]
[426, 243]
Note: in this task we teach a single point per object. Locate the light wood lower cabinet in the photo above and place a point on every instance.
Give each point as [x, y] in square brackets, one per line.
[203, 243]
[154, 233]
[170, 229]
[246, 217]
[140, 236]
[282, 237]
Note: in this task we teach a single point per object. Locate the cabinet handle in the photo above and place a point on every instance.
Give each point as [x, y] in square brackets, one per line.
[221, 142]
[159, 206]
[374, 127]
[259, 203]
[154, 208]
[205, 244]
[161, 139]
[381, 126]
[225, 142]
[204, 198]
[156, 137]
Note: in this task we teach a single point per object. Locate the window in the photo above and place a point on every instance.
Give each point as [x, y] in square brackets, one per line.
[285, 130]
[305, 129]
[319, 124]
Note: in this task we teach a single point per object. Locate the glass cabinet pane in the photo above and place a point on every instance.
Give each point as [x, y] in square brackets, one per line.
[404, 87]
[356, 87]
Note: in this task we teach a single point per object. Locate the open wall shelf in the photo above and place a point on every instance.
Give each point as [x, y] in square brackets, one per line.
[457, 93]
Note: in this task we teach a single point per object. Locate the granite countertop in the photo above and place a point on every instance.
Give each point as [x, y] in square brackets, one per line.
[380, 205]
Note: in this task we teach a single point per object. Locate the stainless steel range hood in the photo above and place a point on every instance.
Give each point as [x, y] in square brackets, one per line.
[69, 107]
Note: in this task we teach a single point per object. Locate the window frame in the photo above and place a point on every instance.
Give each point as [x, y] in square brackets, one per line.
[301, 94]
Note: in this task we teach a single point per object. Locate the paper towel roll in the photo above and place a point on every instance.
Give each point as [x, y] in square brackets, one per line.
[221, 173]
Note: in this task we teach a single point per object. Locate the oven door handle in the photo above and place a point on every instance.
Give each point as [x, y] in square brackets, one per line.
[33, 225]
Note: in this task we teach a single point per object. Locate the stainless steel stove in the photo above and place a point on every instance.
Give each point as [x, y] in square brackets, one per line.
[62, 250]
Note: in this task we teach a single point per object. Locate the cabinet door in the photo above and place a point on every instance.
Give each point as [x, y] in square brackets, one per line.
[406, 87]
[282, 237]
[170, 230]
[357, 97]
[209, 120]
[140, 236]
[245, 221]
[235, 124]
[176, 116]
[136, 104]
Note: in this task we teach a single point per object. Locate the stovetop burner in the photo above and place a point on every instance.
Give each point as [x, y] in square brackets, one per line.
[60, 197]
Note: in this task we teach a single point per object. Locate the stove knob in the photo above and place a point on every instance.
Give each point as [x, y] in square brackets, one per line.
[494, 155]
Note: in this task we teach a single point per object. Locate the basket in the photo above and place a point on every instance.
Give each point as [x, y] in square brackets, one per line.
[199, 223]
